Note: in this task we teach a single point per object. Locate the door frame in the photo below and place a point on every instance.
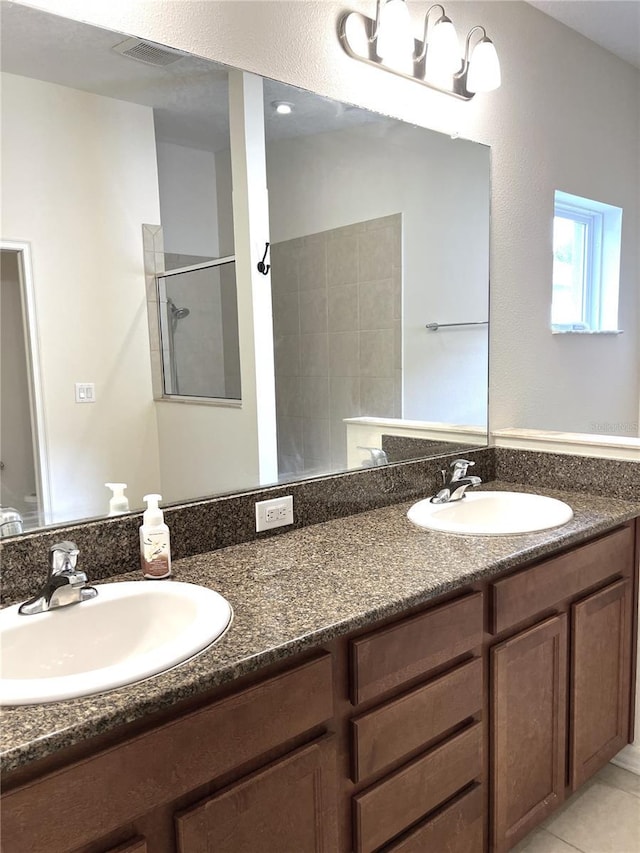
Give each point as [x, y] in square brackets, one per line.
[34, 371]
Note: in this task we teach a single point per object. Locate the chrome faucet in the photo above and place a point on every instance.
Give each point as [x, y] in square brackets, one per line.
[377, 457]
[455, 489]
[65, 584]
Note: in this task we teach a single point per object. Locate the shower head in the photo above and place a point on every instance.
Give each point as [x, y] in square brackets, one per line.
[177, 313]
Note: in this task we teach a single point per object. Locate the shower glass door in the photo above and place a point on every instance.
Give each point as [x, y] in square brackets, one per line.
[199, 331]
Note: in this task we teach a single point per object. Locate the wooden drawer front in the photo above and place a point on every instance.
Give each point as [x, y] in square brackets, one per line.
[136, 845]
[120, 783]
[391, 806]
[402, 725]
[391, 656]
[534, 590]
[457, 828]
[289, 807]
[600, 679]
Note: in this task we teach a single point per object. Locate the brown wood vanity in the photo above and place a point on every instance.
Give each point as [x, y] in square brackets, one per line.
[456, 727]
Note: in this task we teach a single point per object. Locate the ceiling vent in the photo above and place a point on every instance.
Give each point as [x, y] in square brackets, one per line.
[148, 52]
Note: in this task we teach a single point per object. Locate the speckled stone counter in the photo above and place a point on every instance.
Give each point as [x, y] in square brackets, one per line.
[299, 590]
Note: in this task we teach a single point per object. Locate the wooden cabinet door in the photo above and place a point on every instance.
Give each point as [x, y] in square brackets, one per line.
[528, 725]
[600, 679]
[288, 807]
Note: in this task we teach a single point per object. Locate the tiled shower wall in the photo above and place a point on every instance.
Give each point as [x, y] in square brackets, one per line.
[337, 330]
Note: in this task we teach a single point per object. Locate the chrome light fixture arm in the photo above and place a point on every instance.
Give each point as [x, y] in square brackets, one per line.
[420, 56]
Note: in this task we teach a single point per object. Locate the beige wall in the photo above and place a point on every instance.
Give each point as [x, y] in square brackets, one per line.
[59, 144]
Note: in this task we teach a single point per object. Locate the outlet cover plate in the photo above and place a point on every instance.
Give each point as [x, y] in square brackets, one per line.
[277, 512]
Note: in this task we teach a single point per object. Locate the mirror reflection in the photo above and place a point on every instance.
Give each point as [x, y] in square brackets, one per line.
[124, 307]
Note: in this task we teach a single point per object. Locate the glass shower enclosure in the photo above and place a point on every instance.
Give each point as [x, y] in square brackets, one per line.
[199, 331]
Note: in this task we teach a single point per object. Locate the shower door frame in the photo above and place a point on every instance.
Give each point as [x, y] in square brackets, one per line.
[34, 372]
[165, 334]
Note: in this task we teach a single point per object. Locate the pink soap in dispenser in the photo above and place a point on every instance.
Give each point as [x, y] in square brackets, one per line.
[155, 549]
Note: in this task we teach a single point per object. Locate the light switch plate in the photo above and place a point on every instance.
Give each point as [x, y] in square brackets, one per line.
[85, 392]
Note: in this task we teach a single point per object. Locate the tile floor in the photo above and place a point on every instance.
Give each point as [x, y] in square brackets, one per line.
[602, 817]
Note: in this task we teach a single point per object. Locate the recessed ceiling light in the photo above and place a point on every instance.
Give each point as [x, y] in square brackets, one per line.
[283, 108]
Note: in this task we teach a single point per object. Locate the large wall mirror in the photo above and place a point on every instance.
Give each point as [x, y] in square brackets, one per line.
[122, 302]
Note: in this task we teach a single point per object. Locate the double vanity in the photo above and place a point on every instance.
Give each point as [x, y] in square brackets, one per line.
[382, 687]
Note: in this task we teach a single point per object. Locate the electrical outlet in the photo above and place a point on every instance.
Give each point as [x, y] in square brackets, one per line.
[278, 512]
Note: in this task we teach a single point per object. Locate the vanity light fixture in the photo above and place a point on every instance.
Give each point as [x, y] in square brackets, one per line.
[388, 43]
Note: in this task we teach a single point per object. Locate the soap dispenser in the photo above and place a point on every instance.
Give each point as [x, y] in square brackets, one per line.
[118, 502]
[155, 550]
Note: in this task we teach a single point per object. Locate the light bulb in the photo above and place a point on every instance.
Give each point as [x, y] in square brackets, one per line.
[443, 49]
[483, 74]
[394, 42]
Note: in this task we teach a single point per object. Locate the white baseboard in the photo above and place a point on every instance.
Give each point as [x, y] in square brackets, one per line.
[629, 758]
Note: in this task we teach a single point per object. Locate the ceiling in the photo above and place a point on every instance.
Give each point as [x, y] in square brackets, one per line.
[613, 24]
[189, 97]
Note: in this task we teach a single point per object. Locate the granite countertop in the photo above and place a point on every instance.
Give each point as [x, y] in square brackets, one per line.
[301, 589]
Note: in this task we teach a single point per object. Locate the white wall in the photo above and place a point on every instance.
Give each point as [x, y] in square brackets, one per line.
[98, 156]
[202, 451]
[441, 188]
[566, 117]
[187, 179]
[225, 447]
[197, 220]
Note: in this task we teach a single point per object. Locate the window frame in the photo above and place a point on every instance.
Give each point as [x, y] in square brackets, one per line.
[600, 279]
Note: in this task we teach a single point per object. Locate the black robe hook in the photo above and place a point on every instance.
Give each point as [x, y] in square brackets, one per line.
[262, 267]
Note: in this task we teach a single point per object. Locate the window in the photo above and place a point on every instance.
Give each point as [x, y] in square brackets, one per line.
[586, 265]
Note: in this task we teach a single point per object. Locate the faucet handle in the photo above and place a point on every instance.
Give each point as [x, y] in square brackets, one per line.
[465, 462]
[460, 467]
[63, 556]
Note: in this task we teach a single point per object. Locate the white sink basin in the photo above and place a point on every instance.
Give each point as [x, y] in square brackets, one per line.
[130, 631]
[492, 514]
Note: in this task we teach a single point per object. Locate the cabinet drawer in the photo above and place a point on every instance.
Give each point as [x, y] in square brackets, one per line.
[389, 807]
[136, 845]
[118, 784]
[535, 590]
[402, 725]
[457, 828]
[288, 807]
[391, 656]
